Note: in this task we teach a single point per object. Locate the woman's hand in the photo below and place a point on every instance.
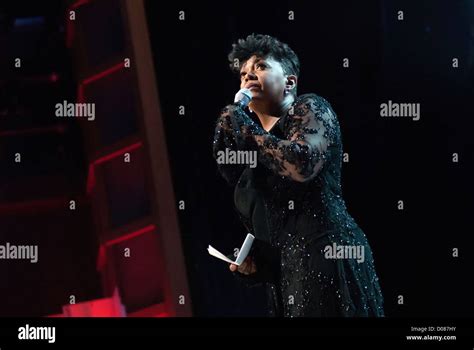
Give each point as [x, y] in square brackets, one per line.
[248, 267]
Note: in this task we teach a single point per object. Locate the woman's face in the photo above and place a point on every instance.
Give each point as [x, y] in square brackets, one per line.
[267, 81]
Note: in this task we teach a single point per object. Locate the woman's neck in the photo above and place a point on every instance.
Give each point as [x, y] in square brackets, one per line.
[269, 117]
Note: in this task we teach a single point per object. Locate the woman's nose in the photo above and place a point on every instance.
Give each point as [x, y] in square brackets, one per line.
[250, 76]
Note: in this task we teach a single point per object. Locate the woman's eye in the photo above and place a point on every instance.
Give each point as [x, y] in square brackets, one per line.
[260, 65]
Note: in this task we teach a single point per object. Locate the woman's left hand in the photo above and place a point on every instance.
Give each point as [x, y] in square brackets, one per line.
[248, 267]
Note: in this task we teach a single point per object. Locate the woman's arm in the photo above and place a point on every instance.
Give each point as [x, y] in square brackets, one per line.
[224, 138]
[264, 257]
[310, 130]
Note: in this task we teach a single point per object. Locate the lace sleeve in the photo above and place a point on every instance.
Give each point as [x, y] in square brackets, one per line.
[310, 130]
[224, 137]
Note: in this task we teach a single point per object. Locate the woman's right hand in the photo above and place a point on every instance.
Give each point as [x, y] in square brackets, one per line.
[248, 267]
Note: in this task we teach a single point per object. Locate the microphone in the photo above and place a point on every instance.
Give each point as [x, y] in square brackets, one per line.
[243, 97]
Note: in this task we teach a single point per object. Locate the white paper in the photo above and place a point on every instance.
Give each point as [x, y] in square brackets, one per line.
[243, 252]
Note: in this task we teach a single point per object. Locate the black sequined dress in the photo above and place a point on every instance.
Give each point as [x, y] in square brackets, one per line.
[292, 202]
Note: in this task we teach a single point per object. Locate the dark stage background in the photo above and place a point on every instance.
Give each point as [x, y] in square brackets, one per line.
[124, 205]
[390, 159]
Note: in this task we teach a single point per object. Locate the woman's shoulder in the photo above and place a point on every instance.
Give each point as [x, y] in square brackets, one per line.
[316, 103]
[314, 98]
[311, 105]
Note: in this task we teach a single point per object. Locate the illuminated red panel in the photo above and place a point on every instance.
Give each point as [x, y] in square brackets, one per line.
[118, 153]
[106, 307]
[104, 73]
[139, 276]
[102, 250]
[108, 71]
[131, 235]
[91, 180]
[157, 310]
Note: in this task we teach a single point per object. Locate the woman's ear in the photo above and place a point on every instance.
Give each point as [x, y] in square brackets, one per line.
[291, 81]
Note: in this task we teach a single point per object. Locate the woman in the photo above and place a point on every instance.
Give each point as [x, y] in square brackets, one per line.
[309, 252]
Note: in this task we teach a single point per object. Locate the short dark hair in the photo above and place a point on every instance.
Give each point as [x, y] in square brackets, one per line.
[264, 46]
